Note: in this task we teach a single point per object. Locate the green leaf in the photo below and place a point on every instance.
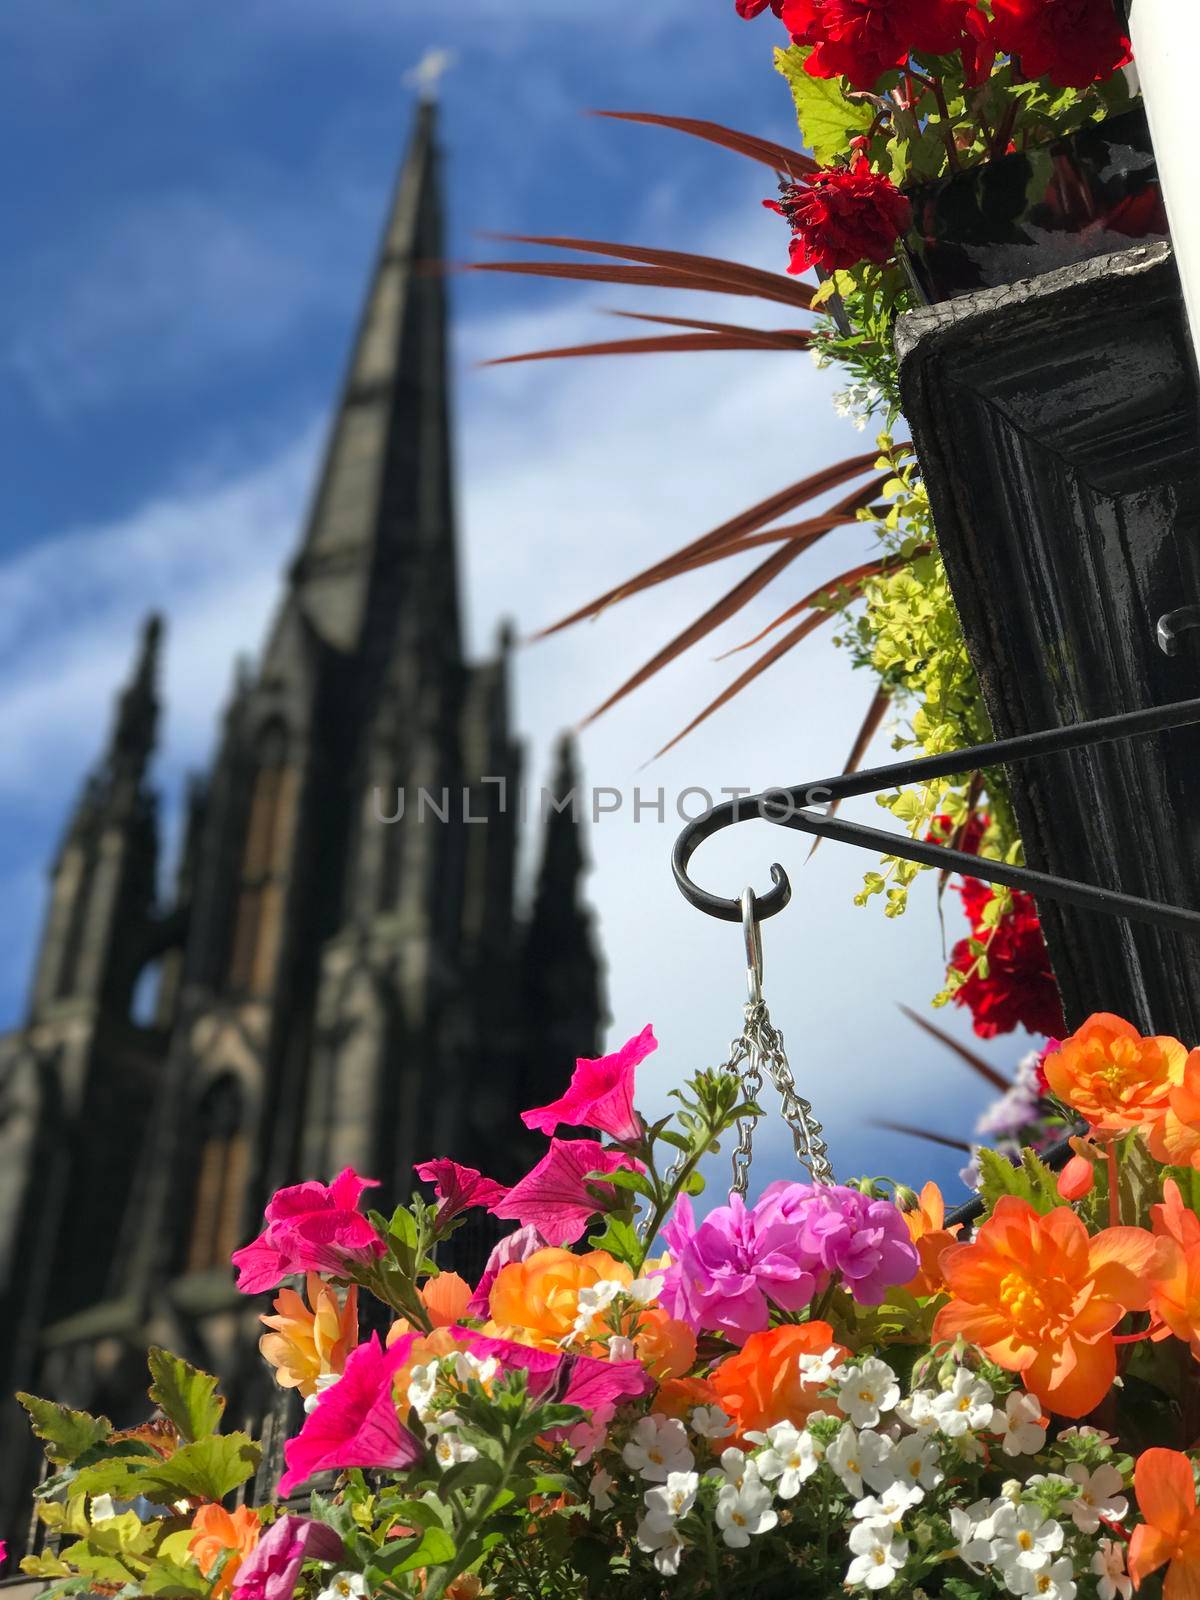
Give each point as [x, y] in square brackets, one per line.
[435, 1549]
[67, 1434]
[210, 1469]
[185, 1395]
[619, 1238]
[623, 1178]
[998, 1176]
[694, 1184]
[171, 1581]
[828, 120]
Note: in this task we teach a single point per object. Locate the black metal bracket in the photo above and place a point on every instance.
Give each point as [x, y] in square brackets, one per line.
[796, 808]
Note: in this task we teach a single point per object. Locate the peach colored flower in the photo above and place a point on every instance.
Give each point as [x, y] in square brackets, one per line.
[762, 1384]
[679, 1397]
[1114, 1077]
[1166, 1497]
[664, 1346]
[1175, 1138]
[540, 1295]
[445, 1298]
[1175, 1301]
[309, 1344]
[1041, 1298]
[927, 1230]
[215, 1531]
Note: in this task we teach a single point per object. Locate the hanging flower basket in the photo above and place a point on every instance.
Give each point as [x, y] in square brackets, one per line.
[1091, 193]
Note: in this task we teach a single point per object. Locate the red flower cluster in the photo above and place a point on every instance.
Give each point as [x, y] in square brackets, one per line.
[1019, 990]
[943, 828]
[860, 40]
[842, 216]
[1071, 42]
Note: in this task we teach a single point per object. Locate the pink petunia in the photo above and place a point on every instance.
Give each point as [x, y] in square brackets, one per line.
[600, 1094]
[458, 1188]
[554, 1197]
[311, 1227]
[355, 1422]
[272, 1570]
[516, 1246]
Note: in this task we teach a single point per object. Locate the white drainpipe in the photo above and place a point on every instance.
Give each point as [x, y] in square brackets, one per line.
[1166, 47]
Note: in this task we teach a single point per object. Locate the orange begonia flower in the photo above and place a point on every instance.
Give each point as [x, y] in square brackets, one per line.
[1166, 1497]
[540, 1295]
[215, 1531]
[1041, 1298]
[679, 1397]
[763, 1383]
[927, 1230]
[446, 1298]
[1175, 1301]
[1114, 1077]
[309, 1344]
[664, 1346]
[1175, 1137]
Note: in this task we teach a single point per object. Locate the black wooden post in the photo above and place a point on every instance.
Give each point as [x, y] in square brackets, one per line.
[1058, 428]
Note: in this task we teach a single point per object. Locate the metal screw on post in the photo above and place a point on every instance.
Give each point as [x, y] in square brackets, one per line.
[1173, 625]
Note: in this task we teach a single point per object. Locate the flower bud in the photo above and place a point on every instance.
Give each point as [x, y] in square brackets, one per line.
[1077, 1178]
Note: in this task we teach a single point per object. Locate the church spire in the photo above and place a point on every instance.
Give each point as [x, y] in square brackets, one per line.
[136, 721]
[379, 542]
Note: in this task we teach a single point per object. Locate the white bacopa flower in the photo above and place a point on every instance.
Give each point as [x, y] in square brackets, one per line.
[620, 1348]
[344, 1586]
[965, 1406]
[592, 1302]
[889, 1506]
[878, 1554]
[449, 1450]
[1099, 1496]
[737, 1466]
[1019, 1424]
[790, 1457]
[421, 1388]
[915, 1460]
[658, 1447]
[676, 1497]
[820, 1368]
[663, 1543]
[1055, 1581]
[463, 1366]
[710, 1422]
[971, 1546]
[325, 1380]
[867, 1391]
[743, 1512]
[1109, 1566]
[600, 1489]
[853, 1455]
[916, 1411]
[1024, 1538]
[645, 1291]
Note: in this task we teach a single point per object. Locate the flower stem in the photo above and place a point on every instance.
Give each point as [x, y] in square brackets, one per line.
[1114, 1189]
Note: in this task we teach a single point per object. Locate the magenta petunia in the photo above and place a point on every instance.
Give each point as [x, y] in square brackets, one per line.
[516, 1246]
[458, 1188]
[311, 1227]
[600, 1094]
[272, 1570]
[841, 1230]
[554, 1197]
[356, 1422]
[726, 1271]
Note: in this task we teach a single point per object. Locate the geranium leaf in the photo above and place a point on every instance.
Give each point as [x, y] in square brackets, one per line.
[184, 1394]
[66, 1434]
[210, 1469]
[828, 121]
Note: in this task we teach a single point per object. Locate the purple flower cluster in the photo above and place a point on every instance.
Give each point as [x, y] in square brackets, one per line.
[728, 1270]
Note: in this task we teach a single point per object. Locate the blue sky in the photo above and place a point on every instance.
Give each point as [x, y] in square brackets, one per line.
[194, 196]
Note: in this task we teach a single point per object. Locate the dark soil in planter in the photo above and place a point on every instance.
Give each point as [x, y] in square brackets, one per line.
[1086, 195]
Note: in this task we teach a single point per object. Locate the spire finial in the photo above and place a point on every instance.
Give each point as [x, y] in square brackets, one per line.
[429, 72]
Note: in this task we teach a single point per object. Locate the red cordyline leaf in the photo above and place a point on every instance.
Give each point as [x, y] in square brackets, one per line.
[800, 338]
[665, 344]
[776, 156]
[649, 277]
[780, 648]
[922, 1133]
[734, 276]
[871, 724]
[976, 1063]
[727, 533]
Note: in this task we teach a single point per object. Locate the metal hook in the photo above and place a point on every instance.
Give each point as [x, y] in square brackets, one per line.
[752, 931]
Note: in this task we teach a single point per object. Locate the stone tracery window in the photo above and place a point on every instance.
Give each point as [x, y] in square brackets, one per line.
[221, 1173]
[258, 917]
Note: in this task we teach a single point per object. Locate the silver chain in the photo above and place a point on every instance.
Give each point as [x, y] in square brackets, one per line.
[760, 1048]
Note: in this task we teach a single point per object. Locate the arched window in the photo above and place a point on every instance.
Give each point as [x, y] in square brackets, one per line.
[221, 1172]
[258, 917]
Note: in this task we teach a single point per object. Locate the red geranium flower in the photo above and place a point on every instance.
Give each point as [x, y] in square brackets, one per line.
[752, 8]
[843, 216]
[862, 39]
[1071, 42]
[1020, 989]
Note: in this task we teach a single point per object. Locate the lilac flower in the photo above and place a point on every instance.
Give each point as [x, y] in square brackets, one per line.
[839, 1230]
[724, 1270]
